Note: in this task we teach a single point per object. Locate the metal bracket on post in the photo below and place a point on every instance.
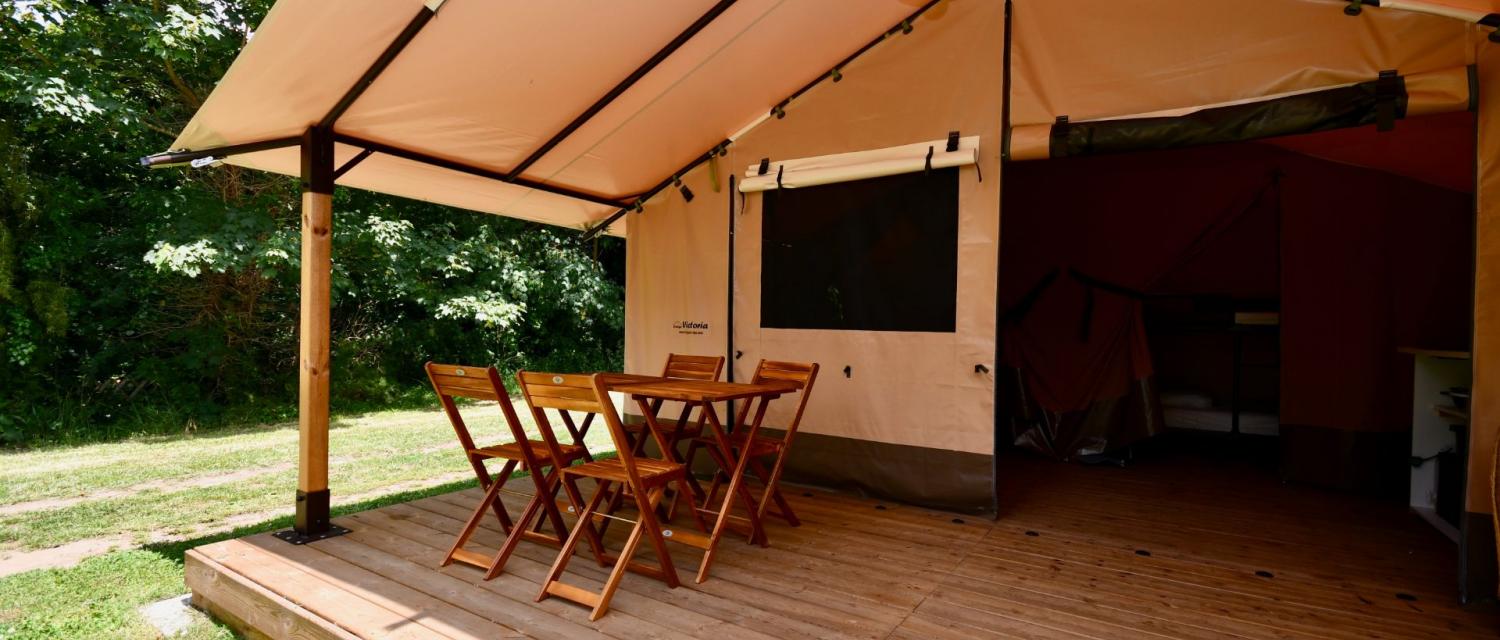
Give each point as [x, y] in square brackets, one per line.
[311, 523]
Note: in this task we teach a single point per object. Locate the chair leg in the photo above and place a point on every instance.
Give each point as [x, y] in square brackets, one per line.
[773, 490]
[658, 542]
[721, 471]
[469, 527]
[585, 525]
[514, 538]
[687, 462]
[645, 526]
[542, 502]
[553, 483]
[698, 519]
[688, 482]
[566, 554]
[497, 484]
[733, 494]
[485, 504]
[616, 498]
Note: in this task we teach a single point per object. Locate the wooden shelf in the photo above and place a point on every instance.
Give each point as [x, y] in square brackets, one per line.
[1435, 353]
[1452, 413]
[1257, 318]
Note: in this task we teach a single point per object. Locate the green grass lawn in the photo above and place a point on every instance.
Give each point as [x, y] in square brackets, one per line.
[171, 494]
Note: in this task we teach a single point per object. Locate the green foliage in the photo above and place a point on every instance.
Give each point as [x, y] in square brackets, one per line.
[96, 599]
[135, 300]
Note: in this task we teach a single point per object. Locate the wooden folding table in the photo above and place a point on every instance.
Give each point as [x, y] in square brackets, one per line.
[706, 393]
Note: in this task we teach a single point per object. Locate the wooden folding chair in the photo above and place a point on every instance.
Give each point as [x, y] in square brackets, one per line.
[646, 478]
[541, 458]
[800, 374]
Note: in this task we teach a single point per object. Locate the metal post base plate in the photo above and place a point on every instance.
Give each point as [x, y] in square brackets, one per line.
[296, 537]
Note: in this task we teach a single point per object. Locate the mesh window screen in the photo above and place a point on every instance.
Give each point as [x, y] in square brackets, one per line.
[870, 255]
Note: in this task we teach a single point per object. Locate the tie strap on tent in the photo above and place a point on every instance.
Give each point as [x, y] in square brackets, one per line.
[1382, 101]
[1477, 16]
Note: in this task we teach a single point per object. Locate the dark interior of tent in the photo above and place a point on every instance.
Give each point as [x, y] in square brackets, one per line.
[1251, 302]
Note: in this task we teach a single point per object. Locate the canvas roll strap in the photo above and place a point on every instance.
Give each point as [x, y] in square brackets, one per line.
[1455, 10]
[1389, 90]
[1381, 101]
[860, 165]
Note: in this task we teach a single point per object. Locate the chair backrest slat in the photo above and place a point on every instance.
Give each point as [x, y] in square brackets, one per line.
[800, 378]
[802, 374]
[564, 391]
[480, 383]
[466, 391]
[458, 380]
[575, 392]
[690, 368]
[693, 367]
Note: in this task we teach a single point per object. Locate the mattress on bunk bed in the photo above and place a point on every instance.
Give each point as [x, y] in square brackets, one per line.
[1261, 424]
[1197, 412]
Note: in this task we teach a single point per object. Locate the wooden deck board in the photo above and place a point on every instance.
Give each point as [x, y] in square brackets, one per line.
[1167, 550]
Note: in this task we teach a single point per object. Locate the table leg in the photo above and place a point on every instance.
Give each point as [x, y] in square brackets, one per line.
[737, 488]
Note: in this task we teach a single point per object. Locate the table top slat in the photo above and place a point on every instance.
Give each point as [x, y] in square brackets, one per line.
[696, 390]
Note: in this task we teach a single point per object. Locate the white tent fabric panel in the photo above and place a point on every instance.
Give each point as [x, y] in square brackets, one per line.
[860, 165]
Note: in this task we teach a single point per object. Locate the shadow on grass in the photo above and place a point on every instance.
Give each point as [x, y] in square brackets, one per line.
[339, 421]
[174, 551]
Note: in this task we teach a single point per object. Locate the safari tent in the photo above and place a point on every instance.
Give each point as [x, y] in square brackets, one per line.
[976, 215]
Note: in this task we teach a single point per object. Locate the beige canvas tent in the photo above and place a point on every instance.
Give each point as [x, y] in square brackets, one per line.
[605, 117]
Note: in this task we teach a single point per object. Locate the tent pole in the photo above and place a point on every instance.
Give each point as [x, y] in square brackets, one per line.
[312, 519]
[177, 158]
[454, 165]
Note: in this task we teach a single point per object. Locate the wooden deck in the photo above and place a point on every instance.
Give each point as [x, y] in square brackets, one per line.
[1160, 550]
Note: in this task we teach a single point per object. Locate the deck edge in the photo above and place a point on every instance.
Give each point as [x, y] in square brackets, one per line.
[248, 608]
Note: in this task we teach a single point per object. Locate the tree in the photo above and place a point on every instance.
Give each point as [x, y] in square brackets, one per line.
[145, 300]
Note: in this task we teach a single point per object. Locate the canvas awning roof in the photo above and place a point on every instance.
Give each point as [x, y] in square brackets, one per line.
[566, 112]
[487, 84]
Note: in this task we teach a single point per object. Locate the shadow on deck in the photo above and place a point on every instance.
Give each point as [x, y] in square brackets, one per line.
[1168, 550]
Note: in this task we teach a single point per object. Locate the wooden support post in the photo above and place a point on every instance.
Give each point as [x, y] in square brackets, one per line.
[312, 521]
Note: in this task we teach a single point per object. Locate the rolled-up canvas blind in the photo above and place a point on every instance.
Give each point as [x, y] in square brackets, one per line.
[1352, 105]
[859, 165]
